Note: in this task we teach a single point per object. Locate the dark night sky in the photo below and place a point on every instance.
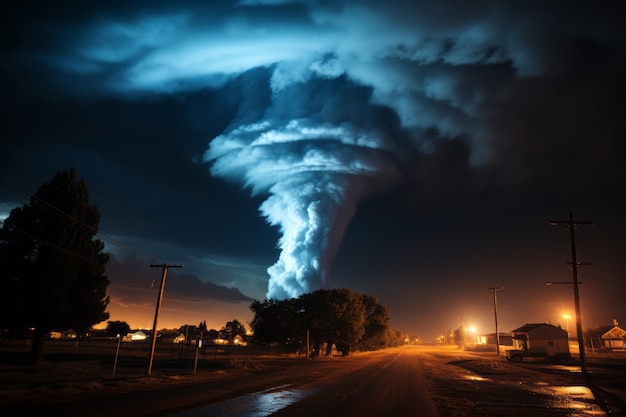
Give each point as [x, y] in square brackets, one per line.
[415, 151]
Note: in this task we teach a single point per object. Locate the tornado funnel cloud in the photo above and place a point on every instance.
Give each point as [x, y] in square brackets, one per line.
[314, 175]
[312, 213]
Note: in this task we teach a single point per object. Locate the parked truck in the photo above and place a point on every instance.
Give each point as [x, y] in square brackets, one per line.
[539, 340]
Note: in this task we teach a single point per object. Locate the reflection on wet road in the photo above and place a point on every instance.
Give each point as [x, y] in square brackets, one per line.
[578, 399]
[498, 387]
[257, 404]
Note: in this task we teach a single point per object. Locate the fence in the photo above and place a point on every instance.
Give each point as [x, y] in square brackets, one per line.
[140, 349]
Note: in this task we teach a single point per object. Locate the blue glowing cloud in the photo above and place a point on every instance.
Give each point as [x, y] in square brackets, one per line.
[315, 175]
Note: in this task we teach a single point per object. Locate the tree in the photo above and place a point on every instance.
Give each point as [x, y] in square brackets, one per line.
[213, 334]
[337, 317]
[279, 321]
[232, 329]
[53, 267]
[376, 324]
[394, 338]
[341, 317]
[189, 330]
[115, 328]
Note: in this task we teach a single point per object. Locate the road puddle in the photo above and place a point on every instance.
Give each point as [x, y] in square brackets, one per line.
[258, 404]
[476, 378]
[568, 368]
[576, 398]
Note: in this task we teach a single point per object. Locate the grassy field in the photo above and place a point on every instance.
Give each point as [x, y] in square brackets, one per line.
[91, 366]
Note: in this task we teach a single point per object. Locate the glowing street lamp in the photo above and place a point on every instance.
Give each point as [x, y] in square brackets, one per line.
[472, 331]
[567, 317]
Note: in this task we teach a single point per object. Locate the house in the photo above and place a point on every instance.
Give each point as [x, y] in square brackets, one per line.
[238, 340]
[69, 334]
[506, 339]
[136, 336]
[540, 340]
[613, 337]
[170, 336]
[65, 335]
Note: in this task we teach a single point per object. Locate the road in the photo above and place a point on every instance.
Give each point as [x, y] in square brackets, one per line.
[404, 381]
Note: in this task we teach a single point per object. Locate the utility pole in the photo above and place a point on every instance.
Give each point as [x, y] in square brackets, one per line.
[495, 313]
[571, 225]
[156, 313]
[463, 331]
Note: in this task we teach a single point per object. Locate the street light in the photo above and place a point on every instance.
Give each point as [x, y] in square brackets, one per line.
[567, 317]
[472, 331]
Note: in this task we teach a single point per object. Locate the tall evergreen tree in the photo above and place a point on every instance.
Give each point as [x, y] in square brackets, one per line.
[52, 267]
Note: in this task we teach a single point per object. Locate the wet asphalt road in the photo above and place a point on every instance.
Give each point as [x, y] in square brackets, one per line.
[425, 382]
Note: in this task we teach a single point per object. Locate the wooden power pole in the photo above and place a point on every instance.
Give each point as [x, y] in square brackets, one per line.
[495, 313]
[571, 225]
[156, 313]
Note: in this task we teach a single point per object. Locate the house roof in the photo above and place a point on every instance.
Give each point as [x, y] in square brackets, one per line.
[612, 332]
[529, 327]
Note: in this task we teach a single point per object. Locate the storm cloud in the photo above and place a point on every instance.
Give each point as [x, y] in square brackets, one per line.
[338, 101]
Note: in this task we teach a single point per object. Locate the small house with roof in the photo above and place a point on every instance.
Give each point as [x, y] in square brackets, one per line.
[539, 340]
[136, 336]
[613, 337]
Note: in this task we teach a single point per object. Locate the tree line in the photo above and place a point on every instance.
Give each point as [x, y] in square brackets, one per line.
[348, 320]
[228, 332]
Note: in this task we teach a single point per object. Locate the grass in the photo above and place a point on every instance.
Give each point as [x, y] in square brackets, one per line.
[90, 367]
